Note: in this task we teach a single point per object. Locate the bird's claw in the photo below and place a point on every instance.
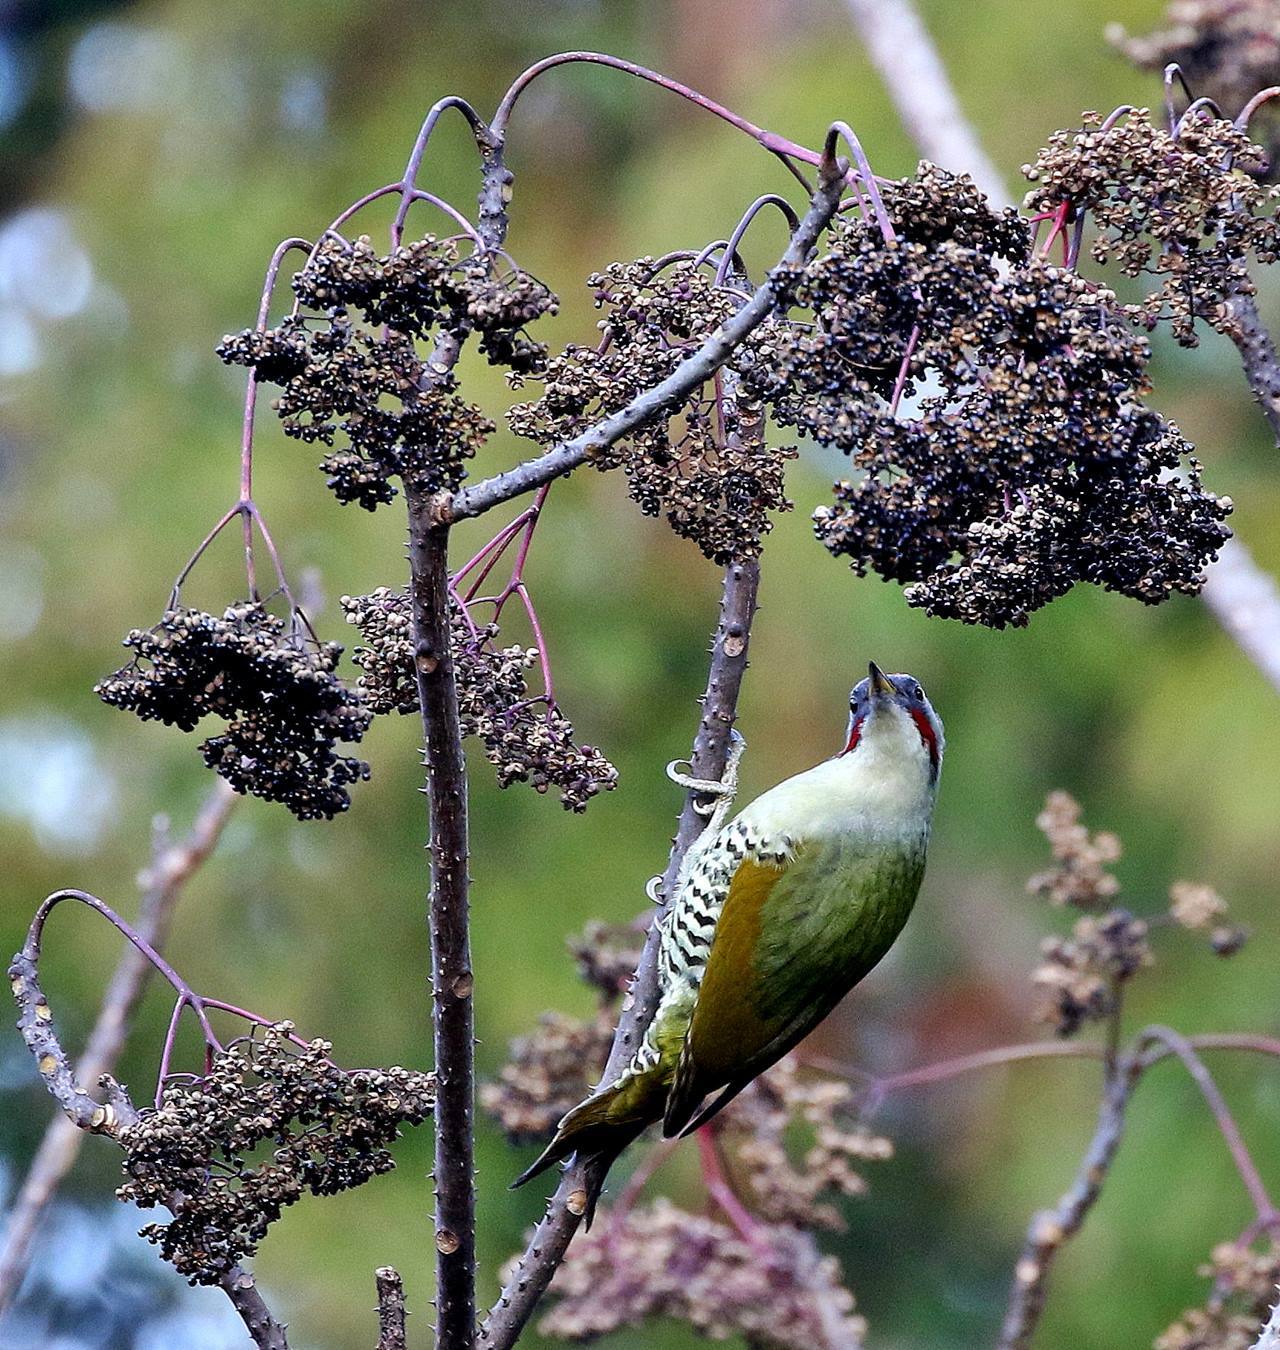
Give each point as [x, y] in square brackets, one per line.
[715, 788]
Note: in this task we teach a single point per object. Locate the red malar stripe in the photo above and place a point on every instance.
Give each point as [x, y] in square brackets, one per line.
[927, 733]
[855, 734]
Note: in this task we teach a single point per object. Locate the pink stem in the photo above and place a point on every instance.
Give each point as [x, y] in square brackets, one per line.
[718, 1188]
[868, 178]
[785, 149]
[166, 1053]
[539, 641]
[900, 383]
[1230, 1131]
[499, 541]
[222, 524]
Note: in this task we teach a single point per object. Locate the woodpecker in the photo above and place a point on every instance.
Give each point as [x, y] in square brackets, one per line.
[777, 914]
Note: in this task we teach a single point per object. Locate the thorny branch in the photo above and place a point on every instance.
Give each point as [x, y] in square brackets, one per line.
[391, 1311]
[546, 1248]
[35, 1021]
[1242, 596]
[171, 867]
[451, 977]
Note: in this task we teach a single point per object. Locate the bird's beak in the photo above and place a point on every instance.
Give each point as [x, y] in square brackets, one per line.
[880, 683]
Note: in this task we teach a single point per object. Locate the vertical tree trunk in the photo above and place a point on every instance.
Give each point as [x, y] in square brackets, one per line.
[451, 977]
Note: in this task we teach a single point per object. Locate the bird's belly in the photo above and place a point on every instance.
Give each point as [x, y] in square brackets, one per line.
[830, 919]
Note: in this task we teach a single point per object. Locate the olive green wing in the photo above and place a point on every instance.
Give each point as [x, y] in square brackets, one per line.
[792, 939]
[726, 1029]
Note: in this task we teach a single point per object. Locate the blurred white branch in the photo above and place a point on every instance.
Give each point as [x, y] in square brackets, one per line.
[916, 80]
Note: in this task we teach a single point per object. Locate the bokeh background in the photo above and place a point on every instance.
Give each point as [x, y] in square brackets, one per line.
[150, 157]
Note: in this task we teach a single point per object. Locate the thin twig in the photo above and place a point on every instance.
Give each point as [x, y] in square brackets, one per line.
[692, 372]
[173, 865]
[1051, 1228]
[391, 1311]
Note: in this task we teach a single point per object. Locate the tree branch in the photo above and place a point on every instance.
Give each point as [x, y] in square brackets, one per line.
[1051, 1228]
[694, 371]
[172, 866]
[1257, 356]
[35, 1021]
[448, 917]
[391, 1313]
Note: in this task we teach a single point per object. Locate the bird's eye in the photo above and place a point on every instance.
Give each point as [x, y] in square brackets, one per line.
[916, 691]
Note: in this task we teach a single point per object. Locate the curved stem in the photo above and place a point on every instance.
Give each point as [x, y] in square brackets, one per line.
[1181, 1046]
[172, 865]
[731, 244]
[1173, 71]
[1245, 115]
[410, 178]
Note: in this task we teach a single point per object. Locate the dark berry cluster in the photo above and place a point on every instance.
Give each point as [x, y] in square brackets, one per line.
[1185, 207]
[527, 739]
[1030, 462]
[267, 1124]
[367, 379]
[284, 708]
[704, 466]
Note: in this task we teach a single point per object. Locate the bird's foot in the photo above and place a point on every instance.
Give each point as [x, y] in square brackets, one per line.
[721, 790]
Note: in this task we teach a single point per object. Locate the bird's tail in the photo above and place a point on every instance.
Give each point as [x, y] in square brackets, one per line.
[597, 1130]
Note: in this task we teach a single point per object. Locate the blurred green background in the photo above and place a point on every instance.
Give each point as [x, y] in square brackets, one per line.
[153, 154]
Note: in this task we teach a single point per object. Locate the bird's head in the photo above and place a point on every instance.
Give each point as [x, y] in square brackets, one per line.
[889, 714]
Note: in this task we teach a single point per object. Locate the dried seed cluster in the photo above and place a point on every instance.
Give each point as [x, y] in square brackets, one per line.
[705, 469]
[548, 1073]
[1227, 50]
[1183, 206]
[369, 382]
[1082, 975]
[659, 1261]
[1080, 878]
[760, 1128]
[1035, 467]
[525, 739]
[202, 1154]
[1200, 908]
[607, 955]
[1243, 1293]
[284, 708]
